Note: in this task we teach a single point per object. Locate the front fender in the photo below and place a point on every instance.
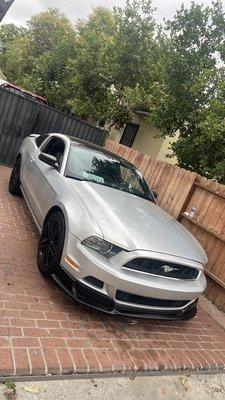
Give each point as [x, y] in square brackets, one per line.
[79, 220]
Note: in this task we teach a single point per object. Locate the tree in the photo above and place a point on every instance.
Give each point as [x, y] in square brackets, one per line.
[133, 56]
[93, 68]
[16, 68]
[47, 30]
[8, 34]
[52, 44]
[87, 68]
[51, 75]
[117, 62]
[189, 95]
[201, 98]
[116, 52]
[43, 53]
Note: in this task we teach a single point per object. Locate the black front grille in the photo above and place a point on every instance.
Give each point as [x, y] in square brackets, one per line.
[148, 301]
[162, 268]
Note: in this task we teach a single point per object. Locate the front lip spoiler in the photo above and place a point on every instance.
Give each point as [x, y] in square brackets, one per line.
[74, 289]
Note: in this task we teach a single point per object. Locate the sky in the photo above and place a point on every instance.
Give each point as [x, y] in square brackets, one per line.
[22, 10]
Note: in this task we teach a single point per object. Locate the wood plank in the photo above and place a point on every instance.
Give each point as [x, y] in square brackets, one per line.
[144, 165]
[219, 265]
[207, 218]
[137, 160]
[195, 222]
[215, 292]
[216, 192]
[156, 175]
[149, 171]
[214, 278]
[210, 283]
[156, 178]
[184, 188]
[171, 190]
[204, 198]
[213, 255]
[213, 215]
[165, 180]
[220, 300]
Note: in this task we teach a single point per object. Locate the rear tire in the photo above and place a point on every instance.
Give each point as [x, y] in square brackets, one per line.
[14, 181]
[51, 244]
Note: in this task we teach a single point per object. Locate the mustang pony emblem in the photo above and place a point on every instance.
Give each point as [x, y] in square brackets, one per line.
[168, 268]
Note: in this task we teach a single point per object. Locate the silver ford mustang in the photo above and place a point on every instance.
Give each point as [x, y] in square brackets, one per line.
[103, 237]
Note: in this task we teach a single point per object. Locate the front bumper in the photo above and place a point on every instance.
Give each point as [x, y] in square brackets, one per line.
[92, 298]
[114, 278]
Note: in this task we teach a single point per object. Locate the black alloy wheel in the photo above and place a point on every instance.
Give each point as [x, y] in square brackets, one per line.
[14, 182]
[51, 244]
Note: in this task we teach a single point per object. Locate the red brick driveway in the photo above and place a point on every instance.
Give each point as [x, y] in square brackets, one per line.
[43, 331]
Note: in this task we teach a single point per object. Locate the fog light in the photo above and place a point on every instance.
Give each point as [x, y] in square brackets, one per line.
[72, 263]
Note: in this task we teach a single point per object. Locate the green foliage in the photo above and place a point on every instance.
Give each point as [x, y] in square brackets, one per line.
[46, 31]
[116, 62]
[201, 146]
[17, 67]
[8, 35]
[134, 46]
[189, 97]
[92, 67]
[10, 385]
[39, 58]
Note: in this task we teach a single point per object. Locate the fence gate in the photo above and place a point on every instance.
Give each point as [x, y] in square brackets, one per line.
[20, 116]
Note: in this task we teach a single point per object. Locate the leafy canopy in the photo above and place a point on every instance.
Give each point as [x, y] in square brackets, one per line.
[115, 62]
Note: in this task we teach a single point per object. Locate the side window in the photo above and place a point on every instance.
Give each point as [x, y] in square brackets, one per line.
[40, 139]
[55, 147]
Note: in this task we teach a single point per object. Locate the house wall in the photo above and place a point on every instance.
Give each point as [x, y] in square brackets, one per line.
[148, 140]
[115, 134]
[166, 149]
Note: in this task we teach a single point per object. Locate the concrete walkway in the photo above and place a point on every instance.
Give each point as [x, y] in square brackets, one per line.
[176, 387]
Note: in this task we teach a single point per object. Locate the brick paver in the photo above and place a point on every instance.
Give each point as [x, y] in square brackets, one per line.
[43, 331]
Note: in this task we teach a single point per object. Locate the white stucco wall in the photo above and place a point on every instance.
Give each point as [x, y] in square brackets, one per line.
[148, 140]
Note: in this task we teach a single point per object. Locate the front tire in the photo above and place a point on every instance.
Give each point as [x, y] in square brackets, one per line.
[14, 181]
[51, 244]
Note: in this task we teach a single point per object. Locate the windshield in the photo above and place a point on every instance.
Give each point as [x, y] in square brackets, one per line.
[93, 166]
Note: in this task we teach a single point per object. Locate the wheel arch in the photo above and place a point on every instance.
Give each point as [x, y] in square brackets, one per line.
[52, 210]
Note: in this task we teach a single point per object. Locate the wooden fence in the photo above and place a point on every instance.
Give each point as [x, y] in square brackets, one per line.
[178, 192]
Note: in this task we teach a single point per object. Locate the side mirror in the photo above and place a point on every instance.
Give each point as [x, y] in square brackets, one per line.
[50, 160]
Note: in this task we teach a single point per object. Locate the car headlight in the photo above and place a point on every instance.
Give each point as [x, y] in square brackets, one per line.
[105, 248]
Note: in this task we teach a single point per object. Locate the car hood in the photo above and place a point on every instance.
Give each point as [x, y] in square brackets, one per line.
[134, 223]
